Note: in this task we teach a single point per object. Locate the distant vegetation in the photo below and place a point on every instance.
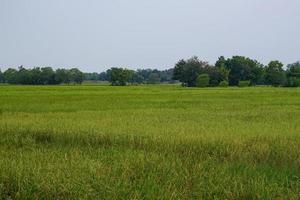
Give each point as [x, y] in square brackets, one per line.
[41, 76]
[235, 71]
[123, 76]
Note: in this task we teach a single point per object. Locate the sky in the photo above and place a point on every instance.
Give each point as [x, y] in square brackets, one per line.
[95, 35]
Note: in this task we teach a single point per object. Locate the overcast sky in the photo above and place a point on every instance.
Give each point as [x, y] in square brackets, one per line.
[98, 34]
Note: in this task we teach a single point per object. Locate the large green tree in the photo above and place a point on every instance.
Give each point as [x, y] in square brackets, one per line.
[215, 77]
[275, 75]
[187, 71]
[11, 76]
[294, 69]
[138, 78]
[47, 76]
[293, 74]
[76, 76]
[62, 76]
[23, 76]
[36, 76]
[242, 68]
[120, 76]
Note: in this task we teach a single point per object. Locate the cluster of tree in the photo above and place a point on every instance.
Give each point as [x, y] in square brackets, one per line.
[121, 76]
[235, 71]
[41, 76]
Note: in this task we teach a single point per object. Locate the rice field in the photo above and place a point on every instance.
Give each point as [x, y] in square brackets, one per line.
[149, 142]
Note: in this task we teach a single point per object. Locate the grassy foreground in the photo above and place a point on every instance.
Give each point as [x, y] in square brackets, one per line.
[155, 142]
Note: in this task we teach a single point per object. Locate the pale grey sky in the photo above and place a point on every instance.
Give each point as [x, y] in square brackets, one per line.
[97, 34]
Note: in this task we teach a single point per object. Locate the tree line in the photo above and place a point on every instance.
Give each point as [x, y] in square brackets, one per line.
[192, 72]
[235, 71]
[123, 76]
[117, 76]
[41, 76]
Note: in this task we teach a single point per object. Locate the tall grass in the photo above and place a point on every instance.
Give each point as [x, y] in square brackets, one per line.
[149, 142]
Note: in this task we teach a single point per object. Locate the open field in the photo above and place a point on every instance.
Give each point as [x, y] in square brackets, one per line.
[149, 142]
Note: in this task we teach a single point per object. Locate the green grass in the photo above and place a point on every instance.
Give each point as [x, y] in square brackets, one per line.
[149, 142]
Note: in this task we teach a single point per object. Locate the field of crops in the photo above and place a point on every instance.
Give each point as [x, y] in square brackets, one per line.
[149, 142]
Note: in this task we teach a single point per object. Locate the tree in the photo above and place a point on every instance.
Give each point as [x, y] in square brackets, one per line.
[293, 75]
[224, 84]
[23, 76]
[293, 69]
[293, 81]
[215, 77]
[188, 71]
[1, 77]
[241, 68]
[224, 72]
[47, 76]
[275, 74]
[202, 80]
[120, 76]
[154, 78]
[103, 76]
[76, 75]
[166, 75]
[41, 76]
[36, 78]
[138, 78]
[11, 76]
[62, 76]
[221, 62]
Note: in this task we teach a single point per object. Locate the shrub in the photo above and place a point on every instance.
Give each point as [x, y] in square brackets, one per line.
[244, 83]
[293, 82]
[202, 80]
[224, 84]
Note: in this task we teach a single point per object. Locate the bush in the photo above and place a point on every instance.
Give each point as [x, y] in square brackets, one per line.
[224, 84]
[293, 82]
[244, 83]
[202, 80]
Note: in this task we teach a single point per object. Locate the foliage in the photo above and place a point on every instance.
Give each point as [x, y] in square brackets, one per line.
[293, 81]
[244, 83]
[47, 76]
[93, 76]
[202, 80]
[120, 76]
[42, 76]
[215, 77]
[76, 75]
[154, 78]
[224, 72]
[275, 74]
[240, 68]
[293, 70]
[1, 77]
[187, 71]
[11, 76]
[231, 70]
[224, 84]
[140, 76]
[293, 75]
[63, 76]
[237, 69]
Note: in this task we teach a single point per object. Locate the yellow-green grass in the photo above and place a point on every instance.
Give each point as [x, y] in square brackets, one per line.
[149, 142]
